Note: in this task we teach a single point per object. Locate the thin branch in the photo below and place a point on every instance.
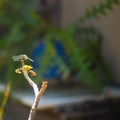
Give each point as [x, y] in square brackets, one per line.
[35, 88]
[43, 88]
[38, 93]
[5, 99]
[36, 101]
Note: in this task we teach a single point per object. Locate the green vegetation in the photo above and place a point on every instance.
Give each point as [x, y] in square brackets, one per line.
[21, 26]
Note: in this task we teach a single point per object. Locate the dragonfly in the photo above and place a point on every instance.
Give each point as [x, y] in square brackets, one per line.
[21, 57]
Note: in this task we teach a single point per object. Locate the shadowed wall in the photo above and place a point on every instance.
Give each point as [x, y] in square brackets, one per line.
[108, 25]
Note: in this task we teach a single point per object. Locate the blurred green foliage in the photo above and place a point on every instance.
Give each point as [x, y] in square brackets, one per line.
[83, 44]
[21, 26]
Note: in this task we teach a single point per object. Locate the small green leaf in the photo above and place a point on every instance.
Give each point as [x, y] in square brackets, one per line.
[116, 2]
[109, 5]
[88, 14]
[102, 9]
[95, 11]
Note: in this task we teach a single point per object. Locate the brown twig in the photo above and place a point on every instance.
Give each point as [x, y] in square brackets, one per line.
[36, 101]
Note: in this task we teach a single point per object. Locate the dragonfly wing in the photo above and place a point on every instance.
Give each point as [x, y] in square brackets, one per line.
[16, 58]
[21, 57]
[30, 59]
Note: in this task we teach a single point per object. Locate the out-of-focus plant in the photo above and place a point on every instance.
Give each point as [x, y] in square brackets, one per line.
[4, 99]
[96, 11]
[82, 44]
[21, 25]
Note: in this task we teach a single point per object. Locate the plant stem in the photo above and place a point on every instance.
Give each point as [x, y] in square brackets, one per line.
[36, 101]
[34, 86]
[38, 93]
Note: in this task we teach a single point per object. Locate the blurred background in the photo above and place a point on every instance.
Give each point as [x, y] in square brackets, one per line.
[75, 47]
